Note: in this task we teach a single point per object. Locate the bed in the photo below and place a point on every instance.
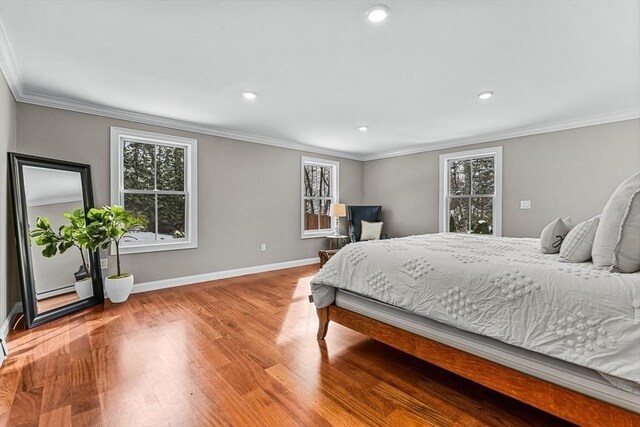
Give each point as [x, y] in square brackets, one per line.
[555, 335]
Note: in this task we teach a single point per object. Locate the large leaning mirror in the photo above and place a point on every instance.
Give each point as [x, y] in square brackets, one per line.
[58, 276]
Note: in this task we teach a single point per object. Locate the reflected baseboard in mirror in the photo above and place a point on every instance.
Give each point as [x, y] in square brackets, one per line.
[54, 284]
[56, 301]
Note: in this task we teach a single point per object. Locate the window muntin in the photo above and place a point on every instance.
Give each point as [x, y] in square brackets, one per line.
[470, 199]
[319, 190]
[154, 176]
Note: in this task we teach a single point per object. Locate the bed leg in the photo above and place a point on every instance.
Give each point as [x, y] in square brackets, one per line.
[323, 322]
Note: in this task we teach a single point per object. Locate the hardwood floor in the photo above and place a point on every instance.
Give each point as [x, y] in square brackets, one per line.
[238, 352]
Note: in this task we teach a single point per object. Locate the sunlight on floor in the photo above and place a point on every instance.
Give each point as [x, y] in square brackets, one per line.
[45, 340]
[301, 312]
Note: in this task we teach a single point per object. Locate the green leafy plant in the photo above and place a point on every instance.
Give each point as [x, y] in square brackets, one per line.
[109, 225]
[73, 234]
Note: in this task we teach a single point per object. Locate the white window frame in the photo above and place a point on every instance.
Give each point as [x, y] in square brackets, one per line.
[118, 136]
[335, 188]
[496, 153]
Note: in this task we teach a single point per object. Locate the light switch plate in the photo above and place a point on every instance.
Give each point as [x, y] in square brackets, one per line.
[525, 204]
[104, 263]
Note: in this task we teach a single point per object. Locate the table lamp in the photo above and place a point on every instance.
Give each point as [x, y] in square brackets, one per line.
[338, 210]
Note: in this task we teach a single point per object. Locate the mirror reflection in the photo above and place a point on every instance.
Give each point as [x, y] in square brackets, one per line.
[54, 202]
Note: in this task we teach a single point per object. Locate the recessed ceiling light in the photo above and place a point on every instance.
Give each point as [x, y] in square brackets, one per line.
[363, 128]
[250, 95]
[377, 13]
[486, 94]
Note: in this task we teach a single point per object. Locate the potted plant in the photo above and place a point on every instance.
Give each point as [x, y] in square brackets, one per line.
[109, 225]
[72, 235]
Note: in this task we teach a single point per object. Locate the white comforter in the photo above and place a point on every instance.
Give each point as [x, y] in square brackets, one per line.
[502, 288]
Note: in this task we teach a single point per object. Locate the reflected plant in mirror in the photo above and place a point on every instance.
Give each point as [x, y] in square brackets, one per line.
[110, 225]
[72, 235]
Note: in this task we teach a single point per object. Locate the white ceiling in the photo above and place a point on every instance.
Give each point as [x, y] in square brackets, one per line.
[321, 69]
[44, 186]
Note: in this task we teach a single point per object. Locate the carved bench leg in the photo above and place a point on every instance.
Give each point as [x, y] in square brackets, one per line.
[323, 322]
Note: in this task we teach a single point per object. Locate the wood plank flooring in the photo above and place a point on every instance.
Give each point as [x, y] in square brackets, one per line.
[234, 352]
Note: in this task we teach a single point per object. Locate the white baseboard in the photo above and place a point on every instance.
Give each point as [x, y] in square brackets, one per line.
[48, 294]
[4, 330]
[217, 275]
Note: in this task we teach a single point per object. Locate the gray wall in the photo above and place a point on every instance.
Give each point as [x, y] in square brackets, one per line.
[566, 173]
[8, 286]
[247, 193]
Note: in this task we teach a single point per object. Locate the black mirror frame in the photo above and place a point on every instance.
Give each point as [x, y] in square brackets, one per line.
[29, 304]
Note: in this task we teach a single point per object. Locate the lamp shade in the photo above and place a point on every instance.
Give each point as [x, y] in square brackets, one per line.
[338, 210]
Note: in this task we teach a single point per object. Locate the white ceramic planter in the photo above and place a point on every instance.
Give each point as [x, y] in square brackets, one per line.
[118, 290]
[84, 288]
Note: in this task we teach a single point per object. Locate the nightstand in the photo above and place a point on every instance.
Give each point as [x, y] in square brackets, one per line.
[337, 242]
[325, 255]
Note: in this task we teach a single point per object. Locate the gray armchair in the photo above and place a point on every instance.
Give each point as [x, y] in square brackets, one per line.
[357, 214]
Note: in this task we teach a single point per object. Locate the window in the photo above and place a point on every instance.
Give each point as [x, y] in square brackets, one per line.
[154, 176]
[471, 192]
[319, 184]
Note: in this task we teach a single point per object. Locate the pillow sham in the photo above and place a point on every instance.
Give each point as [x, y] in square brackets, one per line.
[615, 243]
[626, 254]
[577, 246]
[553, 234]
[370, 230]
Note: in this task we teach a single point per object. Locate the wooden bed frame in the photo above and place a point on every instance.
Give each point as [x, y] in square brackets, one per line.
[554, 399]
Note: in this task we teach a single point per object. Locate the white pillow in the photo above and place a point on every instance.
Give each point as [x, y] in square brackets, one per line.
[553, 234]
[626, 254]
[370, 230]
[615, 244]
[577, 246]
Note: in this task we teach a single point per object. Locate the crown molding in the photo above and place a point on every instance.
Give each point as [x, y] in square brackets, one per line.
[13, 77]
[116, 113]
[11, 73]
[89, 108]
[509, 134]
[9, 66]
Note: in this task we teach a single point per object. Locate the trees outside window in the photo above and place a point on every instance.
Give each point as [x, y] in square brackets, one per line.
[471, 192]
[155, 180]
[154, 188]
[319, 191]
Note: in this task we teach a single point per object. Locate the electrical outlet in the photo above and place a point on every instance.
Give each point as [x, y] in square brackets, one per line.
[263, 247]
[525, 204]
[104, 263]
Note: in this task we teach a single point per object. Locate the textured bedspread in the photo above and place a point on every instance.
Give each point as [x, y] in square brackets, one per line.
[503, 288]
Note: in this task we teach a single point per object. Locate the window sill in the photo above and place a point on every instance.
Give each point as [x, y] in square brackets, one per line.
[158, 247]
[316, 235]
